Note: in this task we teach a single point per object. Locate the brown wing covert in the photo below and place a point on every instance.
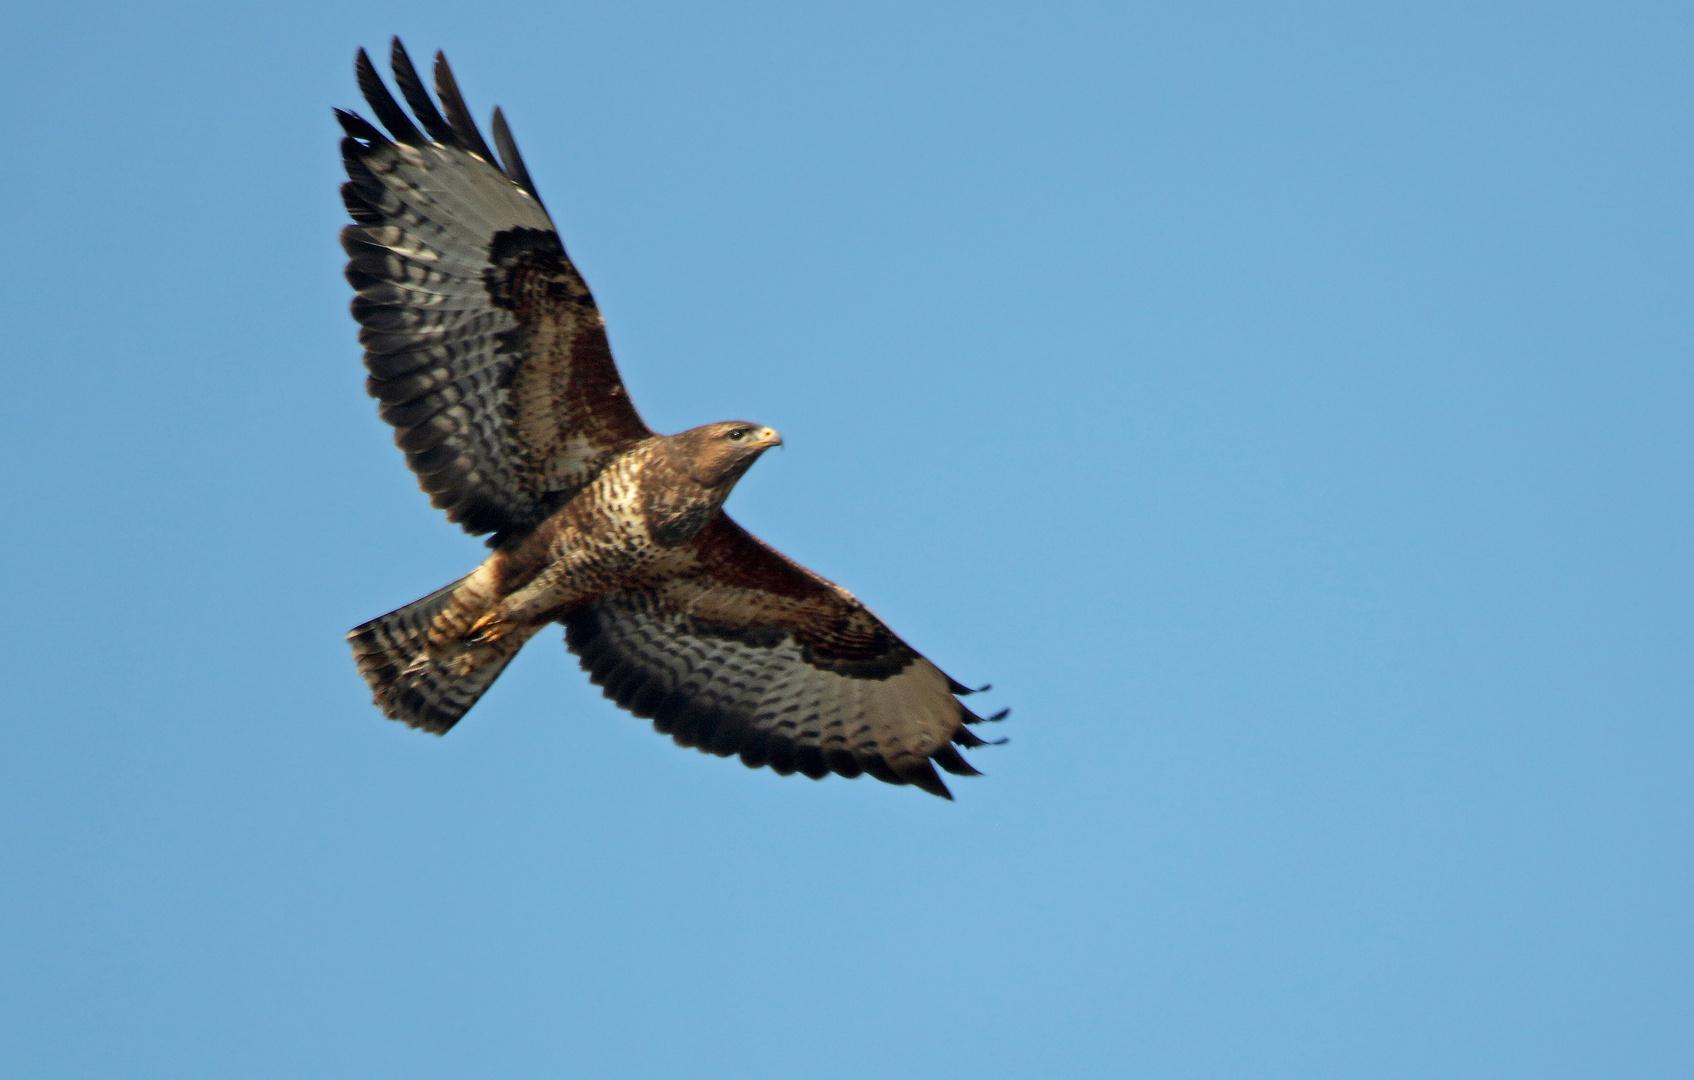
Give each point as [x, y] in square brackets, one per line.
[483, 343]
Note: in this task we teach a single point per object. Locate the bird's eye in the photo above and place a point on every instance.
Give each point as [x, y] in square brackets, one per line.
[738, 434]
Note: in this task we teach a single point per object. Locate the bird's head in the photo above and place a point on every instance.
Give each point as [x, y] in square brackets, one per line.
[715, 455]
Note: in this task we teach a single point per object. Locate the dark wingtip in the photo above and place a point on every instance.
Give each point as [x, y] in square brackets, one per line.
[412, 89]
[972, 718]
[510, 159]
[922, 774]
[459, 117]
[387, 110]
[954, 762]
[967, 738]
[358, 127]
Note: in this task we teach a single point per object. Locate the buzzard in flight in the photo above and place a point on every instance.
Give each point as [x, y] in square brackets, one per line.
[489, 357]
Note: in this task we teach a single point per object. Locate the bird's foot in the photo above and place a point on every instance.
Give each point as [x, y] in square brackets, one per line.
[487, 630]
[475, 647]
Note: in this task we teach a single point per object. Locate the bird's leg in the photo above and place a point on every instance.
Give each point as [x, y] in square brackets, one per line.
[464, 636]
[491, 638]
[517, 614]
[494, 636]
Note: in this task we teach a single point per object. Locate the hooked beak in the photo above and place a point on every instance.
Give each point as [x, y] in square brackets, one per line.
[769, 437]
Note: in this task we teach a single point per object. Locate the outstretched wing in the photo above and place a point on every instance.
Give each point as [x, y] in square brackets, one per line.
[482, 341]
[750, 653]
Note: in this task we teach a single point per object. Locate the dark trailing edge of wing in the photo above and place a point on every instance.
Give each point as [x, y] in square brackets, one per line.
[625, 681]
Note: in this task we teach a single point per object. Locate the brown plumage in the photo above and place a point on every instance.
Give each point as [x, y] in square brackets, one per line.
[489, 357]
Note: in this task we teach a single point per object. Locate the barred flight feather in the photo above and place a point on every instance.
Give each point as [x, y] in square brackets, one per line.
[502, 408]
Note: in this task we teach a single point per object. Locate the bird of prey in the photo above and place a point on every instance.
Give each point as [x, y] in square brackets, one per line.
[489, 358]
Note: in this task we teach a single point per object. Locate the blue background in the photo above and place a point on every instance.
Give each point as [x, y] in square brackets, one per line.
[1285, 406]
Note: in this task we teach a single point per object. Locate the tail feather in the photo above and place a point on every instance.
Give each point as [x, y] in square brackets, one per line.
[392, 653]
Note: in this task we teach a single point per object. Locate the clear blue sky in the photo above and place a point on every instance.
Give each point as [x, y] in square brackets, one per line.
[1287, 408]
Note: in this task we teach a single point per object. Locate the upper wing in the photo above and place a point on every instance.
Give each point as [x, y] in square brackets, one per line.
[482, 341]
[751, 653]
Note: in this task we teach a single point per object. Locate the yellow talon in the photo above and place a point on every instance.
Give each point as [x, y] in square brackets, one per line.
[487, 630]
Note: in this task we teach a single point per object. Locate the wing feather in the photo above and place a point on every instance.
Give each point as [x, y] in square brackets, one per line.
[752, 654]
[382, 103]
[509, 156]
[412, 88]
[484, 345]
[459, 117]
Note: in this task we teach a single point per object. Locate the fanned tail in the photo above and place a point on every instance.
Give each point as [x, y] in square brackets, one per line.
[393, 655]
